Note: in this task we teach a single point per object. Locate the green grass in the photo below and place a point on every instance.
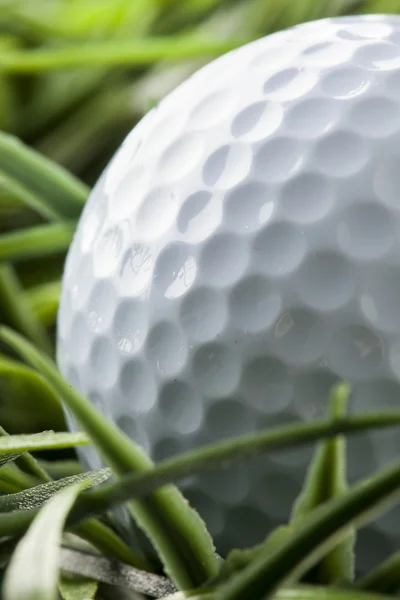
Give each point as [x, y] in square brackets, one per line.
[75, 77]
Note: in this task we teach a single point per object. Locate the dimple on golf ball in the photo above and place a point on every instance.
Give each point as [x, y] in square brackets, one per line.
[239, 255]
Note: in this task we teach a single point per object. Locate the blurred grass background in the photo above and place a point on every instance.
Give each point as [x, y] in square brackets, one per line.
[75, 76]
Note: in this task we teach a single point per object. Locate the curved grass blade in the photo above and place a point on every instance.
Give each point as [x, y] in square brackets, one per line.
[28, 403]
[325, 480]
[177, 532]
[36, 496]
[40, 240]
[315, 537]
[116, 53]
[57, 188]
[33, 570]
[383, 579]
[18, 312]
[115, 573]
[15, 188]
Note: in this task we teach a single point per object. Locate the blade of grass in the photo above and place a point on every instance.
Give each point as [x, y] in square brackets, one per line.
[47, 440]
[177, 532]
[33, 570]
[110, 544]
[138, 52]
[28, 464]
[44, 300]
[383, 579]
[28, 403]
[61, 468]
[27, 197]
[40, 240]
[40, 494]
[18, 311]
[6, 458]
[13, 475]
[57, 188]
[117, 574]
[77, 588]
[325, 480]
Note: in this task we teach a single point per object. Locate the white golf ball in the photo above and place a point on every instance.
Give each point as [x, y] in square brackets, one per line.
[239, 255]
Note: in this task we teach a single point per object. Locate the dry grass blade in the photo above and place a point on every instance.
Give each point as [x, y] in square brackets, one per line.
[115, 573]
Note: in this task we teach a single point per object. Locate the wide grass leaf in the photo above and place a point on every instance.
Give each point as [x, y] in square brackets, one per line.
[175, 529]
[33, 570]
[325, 480]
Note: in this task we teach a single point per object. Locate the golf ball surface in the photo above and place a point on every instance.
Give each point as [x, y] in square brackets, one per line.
[239, 255]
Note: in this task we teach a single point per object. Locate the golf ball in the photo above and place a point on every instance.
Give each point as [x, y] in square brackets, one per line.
[239, 255]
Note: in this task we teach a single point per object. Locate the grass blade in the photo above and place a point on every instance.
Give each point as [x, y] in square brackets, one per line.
[47, 440]
[77, 588]
[6, 458]
[15, 188]
[18, 311]
[28, 403]
[33, 570]
[383, 579]
[61, 468]
[36, 496]
[104, 539]
[36, 241]
[176, 531]
[114, 573]
[57, 188]
[137, 52]
[326, 479]
[44, 300]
